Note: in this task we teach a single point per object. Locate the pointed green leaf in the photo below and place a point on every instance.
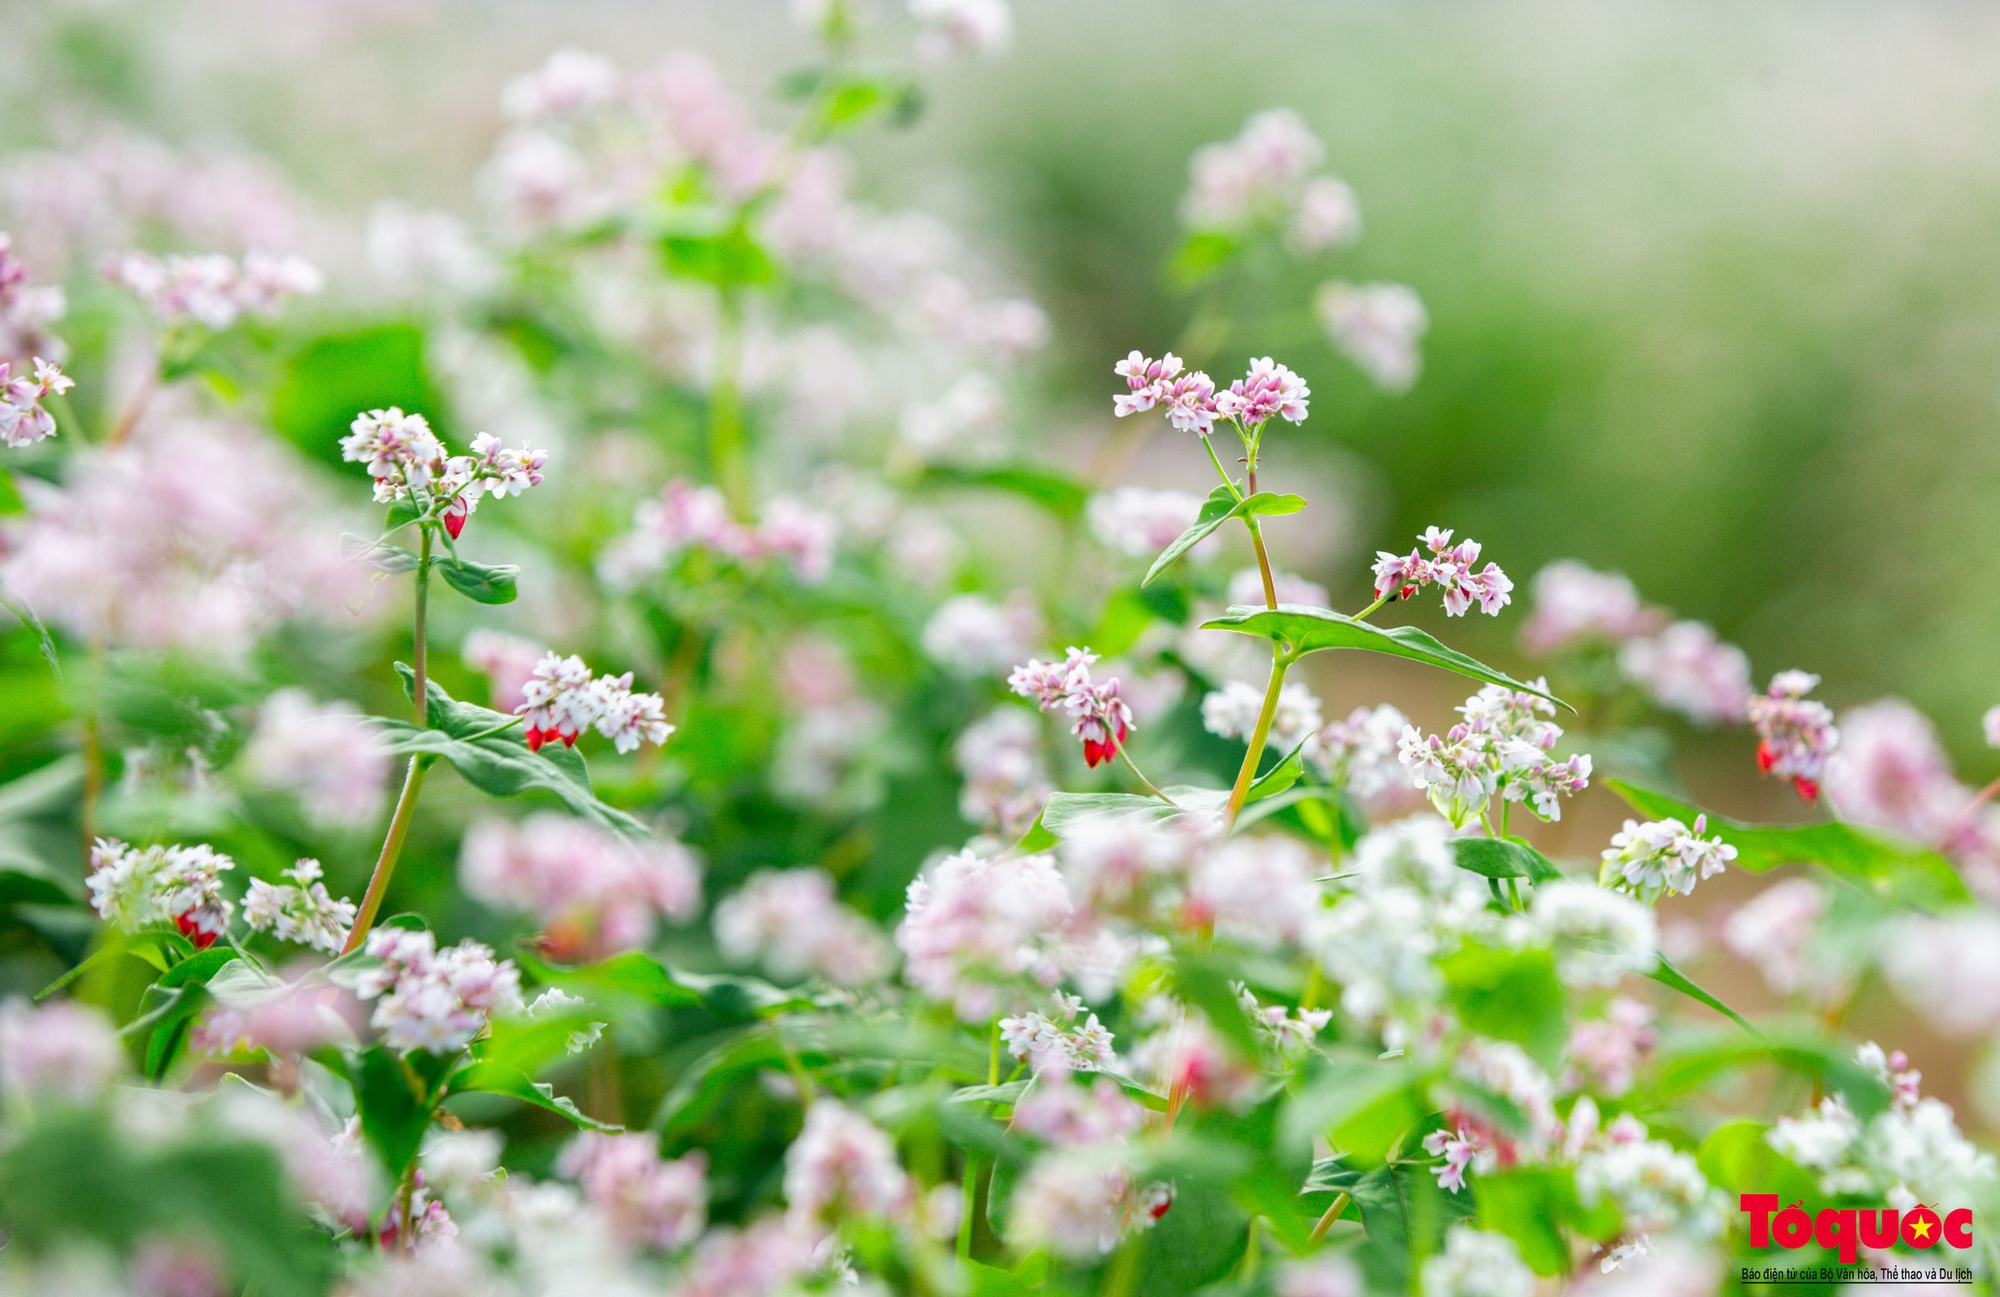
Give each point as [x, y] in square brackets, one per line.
[1510, 995]
[490, 1078]
[1503, 858]
[1667, 975]
[1279, 777]
[1219, 508]
[1055, 491]
[1881, 864]
[480, 582]
[1308, 630]
[1684, 1069]
[633, 975]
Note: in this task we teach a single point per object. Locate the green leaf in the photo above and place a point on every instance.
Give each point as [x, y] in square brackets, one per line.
[395, 1105]
[1057, 492]
[490, 1078]
[1204, 983]
[853, 101]
[1532, 1205]
[1200, 257]
[19, 887]
[633, 975]
[1881, 864]
[1667, 975]
[1219, 508]
[1066, 809]
[392, 559]
[528, 1044]
[1036, 839]
[1361, 1103]
[480, 582]
[727, 258]
[1005, 1093]
[1688, 1068]
[1308, 630]
[1279, 777]
[1738, 1158]
[1510, 995]
[338, 376]
[1503, 858]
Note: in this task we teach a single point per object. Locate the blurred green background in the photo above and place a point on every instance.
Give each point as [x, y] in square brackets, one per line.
[1714, 290]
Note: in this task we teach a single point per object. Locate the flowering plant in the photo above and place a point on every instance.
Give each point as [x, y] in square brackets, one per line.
[772, 899]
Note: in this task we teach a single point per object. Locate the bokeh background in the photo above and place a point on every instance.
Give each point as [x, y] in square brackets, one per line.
[1714, 288]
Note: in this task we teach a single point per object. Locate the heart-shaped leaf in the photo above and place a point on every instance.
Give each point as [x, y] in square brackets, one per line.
[480, 582]
[1220, 507]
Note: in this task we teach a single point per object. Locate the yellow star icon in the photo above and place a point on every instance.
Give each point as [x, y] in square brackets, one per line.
[1921, 1228]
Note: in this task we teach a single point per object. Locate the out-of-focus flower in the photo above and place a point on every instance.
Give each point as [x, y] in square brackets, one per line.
[326, 754]
[179, 885]
[560, 701]
[1247, 587]
[1655, 1186]
[1079, 1201]
[1771, 931]
[1502, 746]
[962, 27]
[1103, 720]
[1328, 216]
[572, 81]
[1139, 523]
[1449, 567]
[650, 1201]
[431, 999]
[1598, 936]
[1319, 1276]
[1947, 969]
[58, 1050]
[1058, 1111]
[23, 421]
[1577, 605]
[1006, 780]
[1257, 175]
[1359, 753]
[1606, 1053]
[596, 893]
[842, 1165]
[412, 249]
[1891, 772]
[974, 925]
[768, 1256]
[964, 422]
[301, 911]
[973, 636]
[212, 290]
[1795, 735]
[1687, 669]
[1379, 327]
[791, 921]
[26, 312]
[507, 661]
[1989, 725]
[1477, 1263]
[1231, 712]
[1649, 860]
[286, 1018]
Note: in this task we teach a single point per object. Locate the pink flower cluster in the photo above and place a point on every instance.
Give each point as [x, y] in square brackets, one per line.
[1060, 1041]
[26, 312]
[970, 635]
[1102, 719]
[974, 924]
[58, 1050]
[1687, 668]
[649, 1201]
[179, 885]
[1458, 1149]
[560, 701]
[290, 1018]
[842, 1165]
[792, 922]
[1006, 780]
[1606, 1053]
[595, 893]
[408, 461]
[431, 999]
[1666, 856]
[689, 517]
[23, 421]
[1265, 174]
[1577, 605]
[301, 911]
[1448, 567]
[1139, 523]
[1058, 1111]
[1193, 404]
[1379, 326]
[507, 661]
[212, 290]
[1795, 735]
[324, 753]
[1503, 746]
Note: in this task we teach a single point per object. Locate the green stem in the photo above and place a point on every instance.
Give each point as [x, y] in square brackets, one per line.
[1363, 614]
[1263, 563]
[1123, 1277]
[420, 683]
[392, 847]
[1339, 1205]
[725, 408]
[1220, 471]
[1281, 661]
[1251, 1251]
[1147, 782]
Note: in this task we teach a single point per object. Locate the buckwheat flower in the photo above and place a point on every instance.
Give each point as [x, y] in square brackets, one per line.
[1006, 779]
[507, 661]
[1457, 1148]
[26, 312]
[1456, 773]
[1477, 1263]
[23, 421]
[950, 27]
[1060, 1112]
[1319, 1276]
[649, 1201]
[1379, 327]
[431, 999]
[1891, 772]
[57, 1050]
[1606, 1053]
[973, 925]
[1112, 861]
[1795, 735]
[561, 700]
[212, 290]
[571, 82]
[134, 888]
[1139, 523]
[1256, 890]
[286, 1019]
[1247, 587]
[1946, 969]
[1253, 176]
[1103, 720]
[1576, 605]
[1894, 1071]
[1661, 856]
[1687, 669]
[769, 1256]
[792, 923]
[1288, 1032]
[1268, 390]
[1231, 712]
[1188, 400]
[1059, 1042]
[595, 892]
[1415, 855]
[803, 537]
[964, 422]
[301, 911]
[1328, 215]
[1502, 746]
[324, 753]
[1449, 567]
[1772, 931]
[1598, 936]
[970, 635]
[399, 451]
[1359, 752]
[1080, 1201]
[1380, 947]
[1655, 1186]
[842, 1165]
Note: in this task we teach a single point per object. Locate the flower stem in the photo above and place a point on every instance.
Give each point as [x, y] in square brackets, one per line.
[420, 682]
[1220, 471]
[1142, 779]
[725, 409]
[1281, 661]
[1363, 614]
[1263, 564]
[1337, 1206]
[392, 847]
[1958, 822]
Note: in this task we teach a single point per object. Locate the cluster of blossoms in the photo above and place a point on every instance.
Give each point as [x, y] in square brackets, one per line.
[1450, 568]
[23, 420]
[1378, 326]
[791, 922]
[596, 893]
[1596, 935]
[324, 753]
[1576, 605]
[1655, 1186]
[1080, 1199]
[1193, 404]
[408, 461]
[1659, 857]
[648, 1200]
[133, 887]
[1139, 523]
[842, 1165]
[213, 290]
[822, 757]
[970, 635]
[688, 517]
[1103, 720]
[60, 1050]
[1795, 734]
[1502, 746]
[1606, 1053]
[561, 700]
[1231, 712]
[1266, 175]
[1042, 1041]
[1773, 931]
[301, 911]
[507, 661]
[1361, 754]
[431, 999]
[1006, 779]
[26, 311]
[974, 925]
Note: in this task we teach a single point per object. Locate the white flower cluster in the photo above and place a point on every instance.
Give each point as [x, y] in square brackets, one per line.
[1139, 523]
[58, 1050]
[1006, 778]
[1597, 935]
[791, 922]
[1360, 753]
[1477, 1263]
[649, 1201]
[1660, 856]
[1231, 712]
[842, 1165]
[212, 290]
[324, 753]
[975, 924]
[431, 999]
[1061, 1041]
[1655, 1186]
[408, 461]
[1079, 1198]
[302, 911]
[686, 517]
[561, 700]
[1502, 746]
[973, 636]
[131, 888]
[596, 892]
